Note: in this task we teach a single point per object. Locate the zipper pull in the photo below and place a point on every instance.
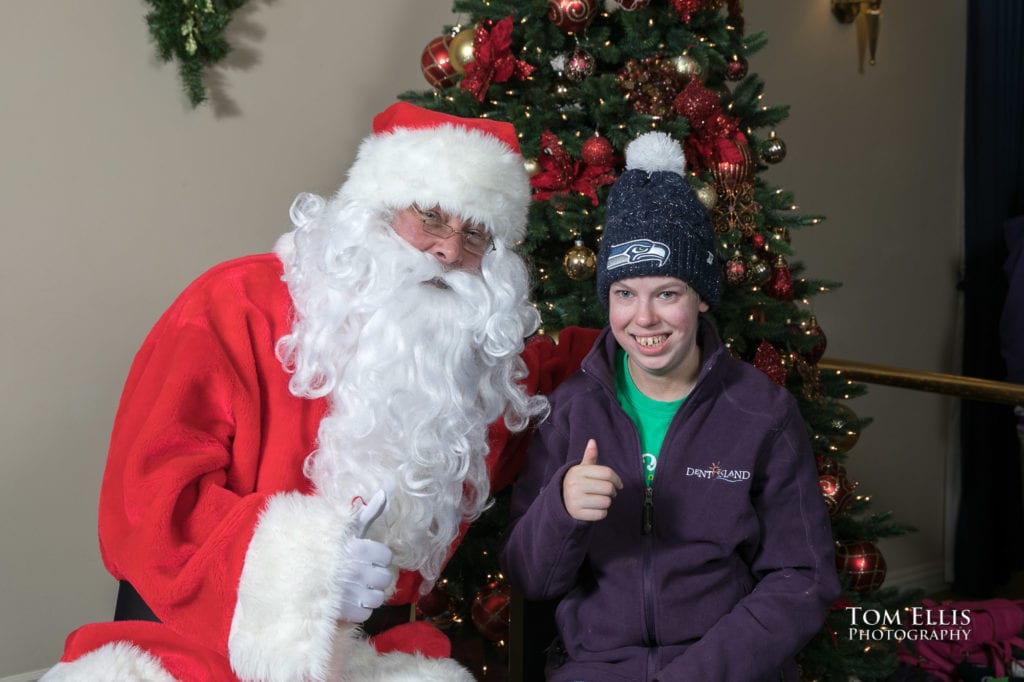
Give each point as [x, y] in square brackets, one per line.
[648, 522]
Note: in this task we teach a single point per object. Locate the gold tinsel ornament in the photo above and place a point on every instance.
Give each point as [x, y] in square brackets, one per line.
[580, 263]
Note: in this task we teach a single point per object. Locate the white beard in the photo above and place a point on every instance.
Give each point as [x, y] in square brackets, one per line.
[415, 373]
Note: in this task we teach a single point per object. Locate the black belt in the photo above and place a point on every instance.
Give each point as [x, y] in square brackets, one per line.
[386, 617]
[131, 606]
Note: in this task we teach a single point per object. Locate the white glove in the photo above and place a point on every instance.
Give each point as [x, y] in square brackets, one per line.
[368, 573]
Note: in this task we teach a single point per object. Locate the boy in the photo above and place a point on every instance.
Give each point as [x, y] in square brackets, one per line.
[671, 499]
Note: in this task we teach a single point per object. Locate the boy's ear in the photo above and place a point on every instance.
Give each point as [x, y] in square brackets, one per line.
[702, 306]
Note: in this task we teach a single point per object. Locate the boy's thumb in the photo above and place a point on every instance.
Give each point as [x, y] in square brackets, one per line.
[590, 453]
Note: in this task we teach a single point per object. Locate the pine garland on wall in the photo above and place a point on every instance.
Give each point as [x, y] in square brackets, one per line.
[192, 32]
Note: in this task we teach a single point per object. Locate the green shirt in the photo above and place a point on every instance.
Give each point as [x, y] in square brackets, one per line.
[651, 417]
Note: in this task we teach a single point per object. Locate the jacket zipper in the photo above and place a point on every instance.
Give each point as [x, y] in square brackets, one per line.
[648, 514]
[647, 539]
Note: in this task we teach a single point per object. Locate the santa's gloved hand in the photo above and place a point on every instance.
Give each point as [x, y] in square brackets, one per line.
[367, 574]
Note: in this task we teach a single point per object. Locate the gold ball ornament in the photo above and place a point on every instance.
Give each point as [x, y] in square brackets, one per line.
[706, 194]
[580, 263]
[773, 150]
[758, 270]
[531, 166]
[845, 431]
[460, 49]
[781, 234]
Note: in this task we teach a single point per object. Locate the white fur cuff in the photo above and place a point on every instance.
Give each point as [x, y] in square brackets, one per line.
[288, 595]
[115, 662]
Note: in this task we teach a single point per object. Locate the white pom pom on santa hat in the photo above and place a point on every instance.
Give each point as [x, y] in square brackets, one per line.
[655, 151]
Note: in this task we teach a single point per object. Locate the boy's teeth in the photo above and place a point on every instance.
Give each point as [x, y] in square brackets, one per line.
[650, 340]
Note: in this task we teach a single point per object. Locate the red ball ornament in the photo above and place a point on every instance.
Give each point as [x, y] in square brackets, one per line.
[836, 488]
[632, 5]
[598, 151]
[571, 15]
[862, 563]
[490, 610]
[436, 63]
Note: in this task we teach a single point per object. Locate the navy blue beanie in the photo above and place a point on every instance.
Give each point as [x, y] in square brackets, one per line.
[656, 225]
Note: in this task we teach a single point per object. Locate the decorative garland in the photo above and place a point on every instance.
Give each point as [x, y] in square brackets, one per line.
[191, 31]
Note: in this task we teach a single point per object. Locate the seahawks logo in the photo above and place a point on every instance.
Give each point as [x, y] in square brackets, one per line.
[637, 251]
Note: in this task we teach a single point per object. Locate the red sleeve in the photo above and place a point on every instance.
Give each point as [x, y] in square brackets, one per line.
[548, 364]
[204, 508]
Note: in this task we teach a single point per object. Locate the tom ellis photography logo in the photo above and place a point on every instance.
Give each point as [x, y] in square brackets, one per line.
[916, 623]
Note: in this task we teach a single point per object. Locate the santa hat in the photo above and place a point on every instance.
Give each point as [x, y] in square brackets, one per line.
[468, 167]
[656, 225]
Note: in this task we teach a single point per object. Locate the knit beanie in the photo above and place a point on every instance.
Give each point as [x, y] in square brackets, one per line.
[656, 225]
[469, 167]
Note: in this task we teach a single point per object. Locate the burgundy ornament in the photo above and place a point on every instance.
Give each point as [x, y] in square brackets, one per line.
[490, 610]
[863, 563]
[736, 68]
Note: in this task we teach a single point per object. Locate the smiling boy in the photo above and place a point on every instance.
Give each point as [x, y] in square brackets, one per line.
[671, 499]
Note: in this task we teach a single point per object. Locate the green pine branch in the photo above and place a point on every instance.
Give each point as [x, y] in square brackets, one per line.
[191, 32]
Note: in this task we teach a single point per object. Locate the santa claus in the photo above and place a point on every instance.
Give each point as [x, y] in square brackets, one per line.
[305, 435]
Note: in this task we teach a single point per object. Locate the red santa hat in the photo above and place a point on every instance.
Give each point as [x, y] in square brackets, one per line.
[469, 167]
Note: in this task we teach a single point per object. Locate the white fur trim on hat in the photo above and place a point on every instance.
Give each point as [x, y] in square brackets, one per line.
[463, 172]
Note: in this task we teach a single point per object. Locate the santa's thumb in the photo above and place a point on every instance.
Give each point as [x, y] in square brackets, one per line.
[369, 513]
[590, 453]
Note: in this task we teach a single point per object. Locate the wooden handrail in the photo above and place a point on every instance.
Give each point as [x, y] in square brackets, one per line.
[933, 382]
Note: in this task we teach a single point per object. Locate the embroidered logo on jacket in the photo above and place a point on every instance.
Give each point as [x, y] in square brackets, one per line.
[715, 472]
[637, 251]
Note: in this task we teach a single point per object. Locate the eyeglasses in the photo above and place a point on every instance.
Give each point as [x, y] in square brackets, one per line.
[474, 239]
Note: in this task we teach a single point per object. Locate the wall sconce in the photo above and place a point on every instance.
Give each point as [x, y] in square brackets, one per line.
[847, 10]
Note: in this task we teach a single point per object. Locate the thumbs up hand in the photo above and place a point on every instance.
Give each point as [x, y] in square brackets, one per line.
[367, 573]
[589, 488]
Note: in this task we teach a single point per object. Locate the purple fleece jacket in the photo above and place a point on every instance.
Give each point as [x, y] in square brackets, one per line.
[737, 570]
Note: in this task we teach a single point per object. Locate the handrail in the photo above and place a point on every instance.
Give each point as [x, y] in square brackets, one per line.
[933, 382]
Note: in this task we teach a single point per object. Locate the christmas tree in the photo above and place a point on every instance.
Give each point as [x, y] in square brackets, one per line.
[580, 79]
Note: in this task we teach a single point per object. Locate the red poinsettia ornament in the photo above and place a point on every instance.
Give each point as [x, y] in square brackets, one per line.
[492, 60]
[561, 173]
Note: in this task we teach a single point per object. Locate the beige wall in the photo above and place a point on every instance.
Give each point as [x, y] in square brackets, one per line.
[116, 194]
[879, 153]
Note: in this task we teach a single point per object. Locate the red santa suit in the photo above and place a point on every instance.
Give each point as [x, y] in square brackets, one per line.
[205, 507]
[204, 493]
